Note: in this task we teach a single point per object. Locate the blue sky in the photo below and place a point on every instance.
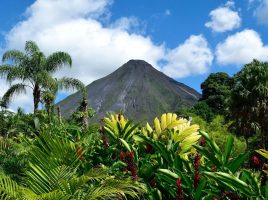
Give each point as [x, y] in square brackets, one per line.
[185, 39]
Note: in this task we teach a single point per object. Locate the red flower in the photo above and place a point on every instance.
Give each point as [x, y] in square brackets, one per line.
[131, 165]
[122, 156]
[202, 142]
[179, 190]
[197, 172]
[131, 155]
[178, 182]
[104, 137]
[119, 116]
[256, 161]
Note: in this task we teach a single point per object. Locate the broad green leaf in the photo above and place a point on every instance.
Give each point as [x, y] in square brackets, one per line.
[168, 173]
[208, 155]
[235, 164]
[199, 190]
[228, 148]
[125, 144]
[211, 143]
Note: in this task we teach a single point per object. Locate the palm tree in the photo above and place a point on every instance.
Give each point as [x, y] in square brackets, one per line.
[65, 83]
[33, 69]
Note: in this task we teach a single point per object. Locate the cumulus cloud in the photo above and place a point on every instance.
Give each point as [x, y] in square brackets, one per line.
[224, 18]
[192, 57]
[241, 48]
[97, 50]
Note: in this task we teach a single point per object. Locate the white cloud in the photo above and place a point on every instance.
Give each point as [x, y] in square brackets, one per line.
[224, 18]
[241, 48]
[97, 50]
[190, 58]
[261, 12]
[130, 24]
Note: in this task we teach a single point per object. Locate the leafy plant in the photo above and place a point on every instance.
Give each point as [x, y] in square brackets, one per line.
[35, 70]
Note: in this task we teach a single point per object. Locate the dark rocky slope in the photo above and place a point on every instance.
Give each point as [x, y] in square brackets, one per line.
[137, 89]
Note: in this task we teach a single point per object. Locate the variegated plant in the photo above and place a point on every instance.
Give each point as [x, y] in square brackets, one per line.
[119, 127]
[170, 128]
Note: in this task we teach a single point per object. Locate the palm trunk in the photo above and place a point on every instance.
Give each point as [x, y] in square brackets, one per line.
[49, 111]
[36, 96]
[59, 114]
[84, 110]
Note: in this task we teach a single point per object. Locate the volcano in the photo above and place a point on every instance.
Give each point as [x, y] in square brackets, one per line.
[137, 90]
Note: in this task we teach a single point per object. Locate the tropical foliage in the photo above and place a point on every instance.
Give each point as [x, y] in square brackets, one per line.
[215, 90]
[189, 155]
[170, 159]
[34, 71]
[248, 104]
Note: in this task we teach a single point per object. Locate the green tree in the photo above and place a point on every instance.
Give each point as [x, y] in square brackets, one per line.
[203, 110]
[33, 69]
[215, 90]
[248, 104]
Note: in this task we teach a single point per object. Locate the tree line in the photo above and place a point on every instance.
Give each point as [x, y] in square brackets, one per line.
[242, 99]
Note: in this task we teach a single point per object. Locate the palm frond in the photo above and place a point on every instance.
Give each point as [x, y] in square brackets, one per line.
[31, 47]
[96, 174]
[14, 89]
[56, 60]
[54, 195]
[53, 159]
[42, 179]
[72, 186]
[9, 189]
[15, 56]
[11, 73]
[112, 188]
[46, 81]
[70, 84]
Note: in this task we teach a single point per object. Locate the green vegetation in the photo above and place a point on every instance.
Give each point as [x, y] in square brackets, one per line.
[215, 90]
[35, 70]
[197, 156]
[248, 105]
[170, 158]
